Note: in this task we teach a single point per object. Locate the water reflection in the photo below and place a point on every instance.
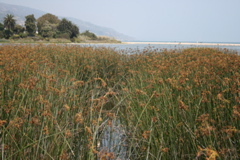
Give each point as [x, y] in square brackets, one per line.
[113, 139]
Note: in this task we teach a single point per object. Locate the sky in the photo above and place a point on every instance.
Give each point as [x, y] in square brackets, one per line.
[153, 20]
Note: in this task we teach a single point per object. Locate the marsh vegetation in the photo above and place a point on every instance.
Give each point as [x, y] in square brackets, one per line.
[73, 102]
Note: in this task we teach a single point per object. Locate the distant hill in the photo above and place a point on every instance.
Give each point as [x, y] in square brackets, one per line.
[20, 12]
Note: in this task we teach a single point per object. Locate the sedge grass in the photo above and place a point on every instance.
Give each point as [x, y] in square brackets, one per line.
[58, 101]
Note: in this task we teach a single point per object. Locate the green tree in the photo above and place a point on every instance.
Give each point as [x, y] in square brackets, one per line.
[52, 20]
[74, 31]
[1, 27]
[18, 29]
[89, 34]
[48, 30]
[7, 33]
[66, 27]
[30, 25]
[9, 22]
[1, 34]
[1, 30]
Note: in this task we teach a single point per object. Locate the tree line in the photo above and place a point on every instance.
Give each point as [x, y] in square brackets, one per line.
[46, 26]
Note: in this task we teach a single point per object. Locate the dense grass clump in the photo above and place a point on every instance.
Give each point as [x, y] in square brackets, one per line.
[72, 102]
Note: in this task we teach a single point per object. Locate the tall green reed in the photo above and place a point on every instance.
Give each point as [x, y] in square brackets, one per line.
[57, 102]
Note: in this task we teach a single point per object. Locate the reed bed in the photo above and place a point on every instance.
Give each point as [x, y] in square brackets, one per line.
[72, 102]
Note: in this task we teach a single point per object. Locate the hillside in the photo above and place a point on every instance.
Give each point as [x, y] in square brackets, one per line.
[20, 12]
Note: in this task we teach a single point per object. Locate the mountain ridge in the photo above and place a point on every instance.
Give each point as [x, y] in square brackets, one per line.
[20, 12]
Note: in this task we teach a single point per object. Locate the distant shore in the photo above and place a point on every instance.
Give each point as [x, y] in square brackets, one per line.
[184, 43]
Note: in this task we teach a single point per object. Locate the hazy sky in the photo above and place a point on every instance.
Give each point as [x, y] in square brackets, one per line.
[153, 20]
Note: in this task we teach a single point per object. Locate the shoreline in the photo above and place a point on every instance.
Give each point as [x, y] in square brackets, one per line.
[122, 43]
[184, 43]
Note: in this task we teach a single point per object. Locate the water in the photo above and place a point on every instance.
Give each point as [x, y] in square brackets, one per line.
[114, 140]
[168, 45]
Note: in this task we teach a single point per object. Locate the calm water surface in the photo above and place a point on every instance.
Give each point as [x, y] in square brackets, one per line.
[130, 47]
